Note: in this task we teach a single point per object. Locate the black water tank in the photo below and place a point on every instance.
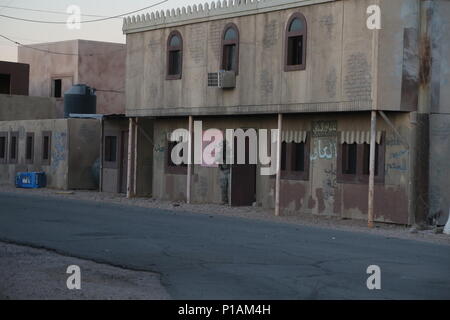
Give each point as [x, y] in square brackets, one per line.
[80, 99]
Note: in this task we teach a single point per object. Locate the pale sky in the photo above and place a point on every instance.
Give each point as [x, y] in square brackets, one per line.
[29, 33]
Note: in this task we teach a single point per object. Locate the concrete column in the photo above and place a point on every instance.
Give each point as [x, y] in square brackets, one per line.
[278, 179]
[130, 158]
[102, 139]
[135, 156]
[373, 135]
[189, 167]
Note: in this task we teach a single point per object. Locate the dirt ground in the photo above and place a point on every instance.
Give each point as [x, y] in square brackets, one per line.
[387, 230]
[36, 274]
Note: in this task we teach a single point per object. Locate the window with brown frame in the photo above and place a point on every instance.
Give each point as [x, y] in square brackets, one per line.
[3, 147]
[295, 161]
[29, 148]
[46, 147]
[230, 48]
[295, 43]
[354, 159]
[14, 147]
[171, 167]
[174, 56]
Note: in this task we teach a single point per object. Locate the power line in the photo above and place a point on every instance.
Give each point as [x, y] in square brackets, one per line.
[50, 11]
[58, 53]
[86, 21]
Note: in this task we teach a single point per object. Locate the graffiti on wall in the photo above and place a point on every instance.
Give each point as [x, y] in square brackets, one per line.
[329, 184]
[398, 161]
[59, 151]
[324, 129]
[324, 149]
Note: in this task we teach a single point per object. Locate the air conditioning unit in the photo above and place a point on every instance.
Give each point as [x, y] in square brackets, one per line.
[222, 79]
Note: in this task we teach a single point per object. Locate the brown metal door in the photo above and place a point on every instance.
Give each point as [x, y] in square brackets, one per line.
[243, 181]
[123, 162]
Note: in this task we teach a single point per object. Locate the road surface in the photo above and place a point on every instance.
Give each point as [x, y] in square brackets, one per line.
[216, 257]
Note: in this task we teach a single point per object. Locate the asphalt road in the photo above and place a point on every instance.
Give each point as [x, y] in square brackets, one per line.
[216, 257]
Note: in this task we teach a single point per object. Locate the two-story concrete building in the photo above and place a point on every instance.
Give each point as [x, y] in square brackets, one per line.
[352, 102]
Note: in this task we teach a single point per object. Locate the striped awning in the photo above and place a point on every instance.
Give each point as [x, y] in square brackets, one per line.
[358, 137]
[292, 136]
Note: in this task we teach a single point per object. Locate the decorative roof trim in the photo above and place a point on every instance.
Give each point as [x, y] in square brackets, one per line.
[217, 9]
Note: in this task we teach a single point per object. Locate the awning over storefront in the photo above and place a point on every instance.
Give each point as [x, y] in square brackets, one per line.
[358, 137]
[291, 136]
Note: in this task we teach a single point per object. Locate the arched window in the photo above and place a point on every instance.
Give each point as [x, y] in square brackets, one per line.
[295, 43]
[230, 48]
[174, 56]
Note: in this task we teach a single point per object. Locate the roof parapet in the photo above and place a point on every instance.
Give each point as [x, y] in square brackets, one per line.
[216, 9]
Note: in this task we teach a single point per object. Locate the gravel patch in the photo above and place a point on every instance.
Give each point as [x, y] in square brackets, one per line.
[37, 274]
[427, 234]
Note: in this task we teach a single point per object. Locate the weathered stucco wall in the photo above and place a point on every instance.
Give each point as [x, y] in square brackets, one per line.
[26, 108]
[322, 194]
[101, 65]
[439, 191]
[57, 171]
[398, 55]
[338, 65]
[439, 171]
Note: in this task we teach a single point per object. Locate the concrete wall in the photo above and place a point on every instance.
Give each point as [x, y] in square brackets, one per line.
[398, 55]
[321, 194]
[19, 76]
[439, 171]
[84, 150]
[26, 108]
[104, 71]
[75, 147]
[96, 64]
[57, 171]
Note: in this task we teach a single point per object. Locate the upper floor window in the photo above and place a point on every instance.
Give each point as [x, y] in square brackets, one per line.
[230, 48]
[295, 43]
[174, 56]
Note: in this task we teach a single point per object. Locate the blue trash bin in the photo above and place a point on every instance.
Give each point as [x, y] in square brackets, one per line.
[31, 180]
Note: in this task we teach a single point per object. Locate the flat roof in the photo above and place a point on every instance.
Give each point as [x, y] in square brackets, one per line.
[215, 10]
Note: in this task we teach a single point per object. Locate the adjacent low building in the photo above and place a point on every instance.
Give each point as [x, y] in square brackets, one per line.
[56, 66]
[65, 149]
[14, 78]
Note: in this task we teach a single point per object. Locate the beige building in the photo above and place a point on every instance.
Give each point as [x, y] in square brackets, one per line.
[65, 149]
[55, 67]
[314, 70]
